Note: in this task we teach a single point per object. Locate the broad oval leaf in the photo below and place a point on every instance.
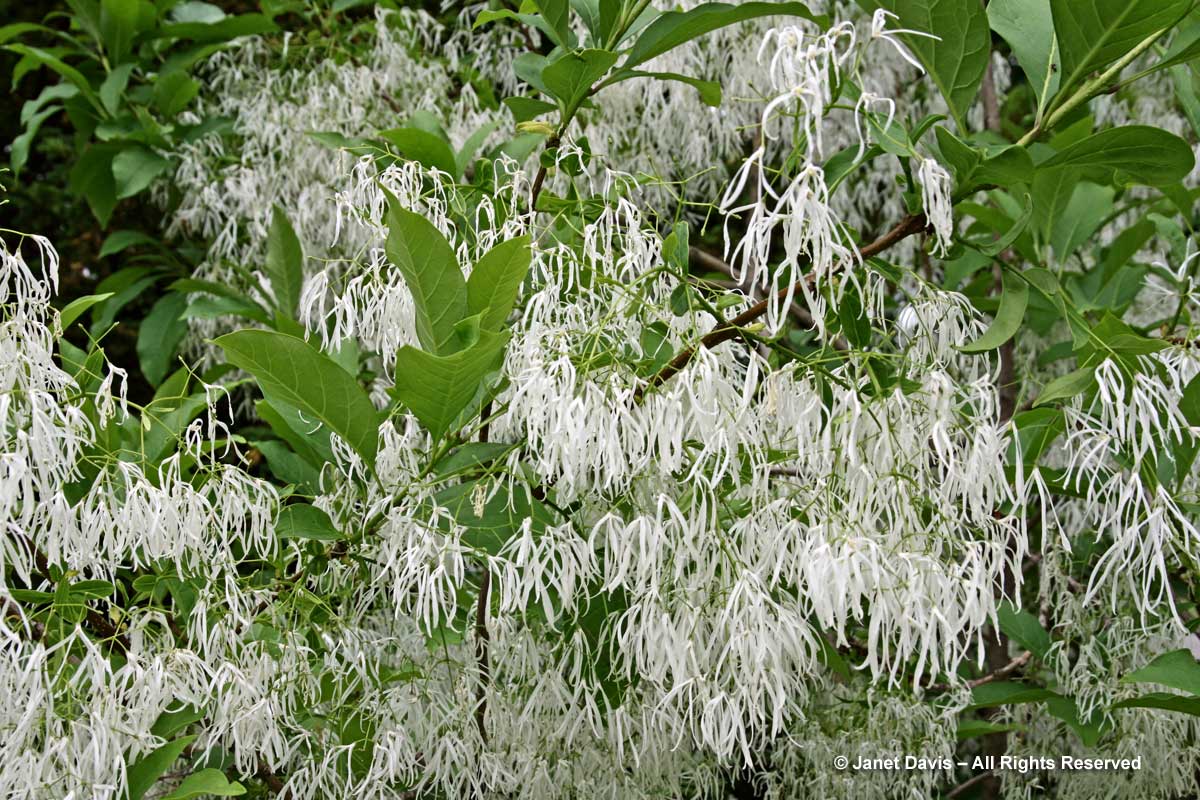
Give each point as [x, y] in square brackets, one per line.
[423, 147]
[1066, 386]
[1164, 701]
[77, 307]
[1147, 155]
[206, 782]
[304, 521]
[145, 772]
[1000, 693]
[1008, 317]
[494, 282]
[1024, 628]
[432, 273]
[1177, 669]
[1028, 28]
[135, 168]
[570, 77]
[293, 371]
[437, 389]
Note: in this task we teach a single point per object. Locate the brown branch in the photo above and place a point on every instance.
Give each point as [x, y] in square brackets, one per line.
[539, 179]
[968, 785]
[1012, 666]
[991, 100]
[912, 223]
[273, 781]
[708, 261]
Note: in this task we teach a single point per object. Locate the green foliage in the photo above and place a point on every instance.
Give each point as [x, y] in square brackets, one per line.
[285, 263]
[957, 55]
[145, 772]
[1093, 35]
[437, 389]
[674, 28]
[1008, 317]
[208, 781]
[124, 66]
[291, 372]
[1177, 669]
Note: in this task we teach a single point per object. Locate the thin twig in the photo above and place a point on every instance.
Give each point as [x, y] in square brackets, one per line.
[912, 223]
[1012, 666]
[708, 261]
[968, 785]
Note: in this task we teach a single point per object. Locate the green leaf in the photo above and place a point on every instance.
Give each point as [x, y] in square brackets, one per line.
[164, 421]
[304, 521]
[92, 179]
[74, 76]
[1088, 208]
[285, 263]
[121, 240]
[471, 457]
[526, 108]
[225, 30]
[1189, 403]
[1066, 386]
[495, 281]
[289, 467]
[557, 14]
[134, 168]
[1036, 429]
[424, 147]
[1144, 154]
[118, 24]
[439, 388]
[1177, 669]
[464, 157]
[432, 273]
[710, 91]
[957, 59]
[1001, 693]
[141, 776]
[1164, 701]
[114, 87]
[173, 91]
[206, 781]
[22, 144]
[501, 517]
[297, 374]
[171, 722]
[1028, 28]
[76, 308]
[1007, 321]
[159, 336]
[1064, 708]
[287, 423]
[1094, 33]
[1023, 628]
[674, 28]
[570, 77]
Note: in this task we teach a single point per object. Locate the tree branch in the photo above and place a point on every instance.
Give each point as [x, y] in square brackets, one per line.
[997, 674]
[708, 261]
[910, 224]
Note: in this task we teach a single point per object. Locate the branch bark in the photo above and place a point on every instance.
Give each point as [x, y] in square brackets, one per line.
[910, 224]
